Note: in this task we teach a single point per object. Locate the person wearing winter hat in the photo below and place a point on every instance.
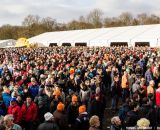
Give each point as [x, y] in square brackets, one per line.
[82, 121]
[49, 123]
[82, 109]
[74, 99]
[60, 107]
[72, 112]
[60, 117]
[57, 93]
[71, 71]
[48, 116]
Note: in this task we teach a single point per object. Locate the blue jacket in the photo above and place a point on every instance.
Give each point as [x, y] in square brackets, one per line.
[1, 70]
[148, 76]
[33, 90]
[6, 99]
[2, 109]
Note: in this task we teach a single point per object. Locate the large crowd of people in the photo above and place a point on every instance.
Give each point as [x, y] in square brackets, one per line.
[67, 88]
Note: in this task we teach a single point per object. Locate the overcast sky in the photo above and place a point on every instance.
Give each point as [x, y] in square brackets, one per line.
[14, 11]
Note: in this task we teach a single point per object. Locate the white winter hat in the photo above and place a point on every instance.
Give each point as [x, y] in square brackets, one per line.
[48, 116]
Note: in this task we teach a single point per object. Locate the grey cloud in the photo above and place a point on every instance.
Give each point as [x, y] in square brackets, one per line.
[14, 11]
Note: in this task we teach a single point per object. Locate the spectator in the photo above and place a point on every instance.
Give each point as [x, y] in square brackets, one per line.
[72, 112]
[115, 92]
[94, 123]
[158, 96]
[97, 109]
[49, 123]
[9, 123]
[42, 102]
[60, 117]
[33, 87]
[125, 86]
[2, 107]
[115, 123]
[6, 96]
[82, 121]
[132, 116]
[15, 110]
[29, 114]
[143, 124]
[148, 75]
[150, 88]
[158, 104]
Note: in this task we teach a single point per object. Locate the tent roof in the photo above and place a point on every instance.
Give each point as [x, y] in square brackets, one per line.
[101, 35]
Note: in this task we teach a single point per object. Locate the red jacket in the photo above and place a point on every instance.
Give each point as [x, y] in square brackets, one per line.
[29, 113]
[16, 112]
[158, 97]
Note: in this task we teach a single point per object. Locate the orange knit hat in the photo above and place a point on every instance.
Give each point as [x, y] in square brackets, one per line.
[71, 71]
[60, 106]
[82, 109]
[74, 98]
[57, 93]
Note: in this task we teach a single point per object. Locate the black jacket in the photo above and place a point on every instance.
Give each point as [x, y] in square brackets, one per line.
[96, 108]
[131, 119]
[147, 111]
[82, 122]
[72, 113]
[48, 126]
[61, 120]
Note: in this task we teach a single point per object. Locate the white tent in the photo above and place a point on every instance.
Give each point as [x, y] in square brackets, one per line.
[151, 36]
[103, 36]
[7, 43]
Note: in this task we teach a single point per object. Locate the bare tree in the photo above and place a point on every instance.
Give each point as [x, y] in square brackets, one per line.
[126, 18]
[82, 19]
[31, 19]
[95, 18]
[142, 18]
[49, 23]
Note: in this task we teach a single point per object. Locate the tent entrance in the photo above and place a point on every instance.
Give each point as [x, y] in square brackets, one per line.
[53, 44]
[80, 44]
[118, 44]
[137, 44]
[66, 44]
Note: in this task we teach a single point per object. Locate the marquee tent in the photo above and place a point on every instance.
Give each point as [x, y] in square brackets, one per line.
[129, 35]
[7, 43]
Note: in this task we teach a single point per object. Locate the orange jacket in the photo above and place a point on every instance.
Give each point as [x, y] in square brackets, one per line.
[124, 82]
[150, 90]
